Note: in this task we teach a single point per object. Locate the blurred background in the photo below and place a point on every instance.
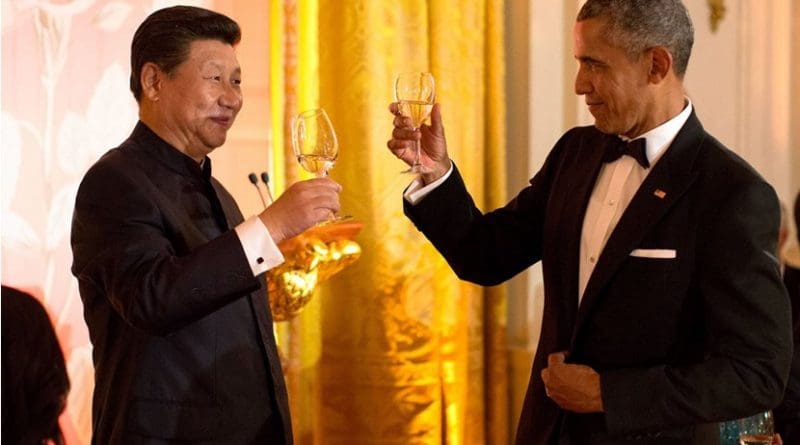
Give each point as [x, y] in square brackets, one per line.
[394, 349]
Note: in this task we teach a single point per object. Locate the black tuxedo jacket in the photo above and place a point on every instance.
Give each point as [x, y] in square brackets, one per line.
[679, 343]
[181, 330]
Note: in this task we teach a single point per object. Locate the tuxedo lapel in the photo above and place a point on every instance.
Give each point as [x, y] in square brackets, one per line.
[670, 178]
[564, 231]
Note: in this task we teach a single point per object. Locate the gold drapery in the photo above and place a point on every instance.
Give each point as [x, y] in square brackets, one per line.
[395, 349]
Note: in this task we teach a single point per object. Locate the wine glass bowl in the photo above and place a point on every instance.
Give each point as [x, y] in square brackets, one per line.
[315, 146]
[314, 141]
[415, 96]
[758, 429]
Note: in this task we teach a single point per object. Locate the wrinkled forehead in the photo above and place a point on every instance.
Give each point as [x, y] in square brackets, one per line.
[214, 53]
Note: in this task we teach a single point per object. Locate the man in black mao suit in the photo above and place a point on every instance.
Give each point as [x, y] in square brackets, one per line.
[171, 275]
[664, 310]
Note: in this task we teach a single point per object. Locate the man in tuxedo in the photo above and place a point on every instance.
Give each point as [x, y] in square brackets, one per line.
[664, 310]
[171, 275]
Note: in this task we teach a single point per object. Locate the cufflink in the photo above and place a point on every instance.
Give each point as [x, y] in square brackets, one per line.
[259, 260]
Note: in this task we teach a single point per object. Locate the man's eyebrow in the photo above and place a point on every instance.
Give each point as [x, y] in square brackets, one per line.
[587, 59]
[219, 66]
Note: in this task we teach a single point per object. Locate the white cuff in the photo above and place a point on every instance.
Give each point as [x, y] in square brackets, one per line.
[416, 190]
[260, 249]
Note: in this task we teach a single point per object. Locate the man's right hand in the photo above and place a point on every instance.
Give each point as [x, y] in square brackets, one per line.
[301, 206]
[434, 146]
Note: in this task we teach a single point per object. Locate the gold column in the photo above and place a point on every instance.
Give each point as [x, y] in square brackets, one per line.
[380, 368]
[403, 358]
[395, 349]
[498, 430]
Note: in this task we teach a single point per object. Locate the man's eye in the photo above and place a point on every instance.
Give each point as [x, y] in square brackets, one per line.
[592, 65]
[237, 81]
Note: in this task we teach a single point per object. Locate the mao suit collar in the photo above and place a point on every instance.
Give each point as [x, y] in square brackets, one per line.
[168, 155]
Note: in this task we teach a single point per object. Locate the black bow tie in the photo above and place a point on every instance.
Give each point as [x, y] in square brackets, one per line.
[635, 149]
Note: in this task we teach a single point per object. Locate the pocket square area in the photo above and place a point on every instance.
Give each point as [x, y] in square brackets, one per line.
[655, 253]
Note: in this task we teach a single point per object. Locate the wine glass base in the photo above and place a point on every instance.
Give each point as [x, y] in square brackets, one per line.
[334, 220]
[417, 170]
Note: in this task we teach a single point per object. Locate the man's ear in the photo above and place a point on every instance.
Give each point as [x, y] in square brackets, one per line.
[660, 63]
[151, 79]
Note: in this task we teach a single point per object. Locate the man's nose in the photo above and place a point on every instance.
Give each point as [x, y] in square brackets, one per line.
[231, 98]
[582, 84]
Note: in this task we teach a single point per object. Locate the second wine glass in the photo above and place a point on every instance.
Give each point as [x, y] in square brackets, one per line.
[315, 145]
[314, 141]
[415, 94]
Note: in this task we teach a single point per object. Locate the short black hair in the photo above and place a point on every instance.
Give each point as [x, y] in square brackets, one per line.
[637, 25]
[165, 36]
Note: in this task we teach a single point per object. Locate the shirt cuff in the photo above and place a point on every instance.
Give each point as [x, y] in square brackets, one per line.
[260, 249]
[417, 190]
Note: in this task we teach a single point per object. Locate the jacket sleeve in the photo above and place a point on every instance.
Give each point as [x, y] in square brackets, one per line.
[488, 249]
[485, 249]
[156, 269]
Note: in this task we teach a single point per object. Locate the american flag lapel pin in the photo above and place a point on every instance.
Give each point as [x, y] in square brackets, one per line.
[661, 194]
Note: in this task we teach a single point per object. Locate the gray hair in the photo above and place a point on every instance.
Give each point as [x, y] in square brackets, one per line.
[637, 25]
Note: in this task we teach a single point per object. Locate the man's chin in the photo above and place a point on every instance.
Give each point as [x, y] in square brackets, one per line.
[603, 128]
[216, 140]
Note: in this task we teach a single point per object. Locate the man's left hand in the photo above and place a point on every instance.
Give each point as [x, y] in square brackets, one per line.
[573, 387]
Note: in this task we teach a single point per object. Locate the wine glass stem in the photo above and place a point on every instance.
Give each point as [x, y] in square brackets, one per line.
[418, 148]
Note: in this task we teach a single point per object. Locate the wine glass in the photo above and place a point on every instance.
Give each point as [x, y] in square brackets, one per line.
[315, 144]
[415, 94]
[758, 429]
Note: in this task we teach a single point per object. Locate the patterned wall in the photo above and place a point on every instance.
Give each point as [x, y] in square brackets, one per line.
[65, 102]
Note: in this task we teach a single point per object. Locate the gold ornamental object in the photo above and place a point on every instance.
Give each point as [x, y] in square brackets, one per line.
[310, 258]
[717, 13]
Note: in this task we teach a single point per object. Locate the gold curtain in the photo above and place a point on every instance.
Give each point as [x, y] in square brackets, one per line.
[395, 349]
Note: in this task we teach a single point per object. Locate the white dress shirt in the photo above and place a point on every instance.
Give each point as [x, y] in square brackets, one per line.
[260, 249]
[616, 184]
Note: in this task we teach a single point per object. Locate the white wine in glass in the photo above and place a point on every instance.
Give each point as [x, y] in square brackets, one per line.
[415, 94]
[416, 110]
[315, 144]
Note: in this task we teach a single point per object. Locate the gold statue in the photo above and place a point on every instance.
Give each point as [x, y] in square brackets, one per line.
[311, 258]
